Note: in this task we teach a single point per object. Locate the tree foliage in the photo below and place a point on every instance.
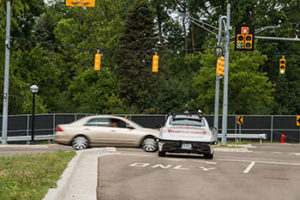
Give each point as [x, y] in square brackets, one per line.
[53, 46]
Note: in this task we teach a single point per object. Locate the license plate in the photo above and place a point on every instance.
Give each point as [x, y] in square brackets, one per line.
[186, 146]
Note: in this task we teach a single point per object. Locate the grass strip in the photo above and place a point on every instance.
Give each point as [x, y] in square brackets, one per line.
[30, 176]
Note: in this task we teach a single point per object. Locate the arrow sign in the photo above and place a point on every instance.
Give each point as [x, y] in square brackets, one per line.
[298, 120]
[240, 119]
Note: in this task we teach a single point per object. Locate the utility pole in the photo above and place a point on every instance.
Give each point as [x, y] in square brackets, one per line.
[217, 90]
[225, 93]
[6, 76]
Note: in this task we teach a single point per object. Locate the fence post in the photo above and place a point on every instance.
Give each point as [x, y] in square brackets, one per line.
[53, 124]
[235, 128]
[272, 124]
[27, 129]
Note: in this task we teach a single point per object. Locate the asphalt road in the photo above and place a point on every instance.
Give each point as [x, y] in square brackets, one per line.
[269, 171]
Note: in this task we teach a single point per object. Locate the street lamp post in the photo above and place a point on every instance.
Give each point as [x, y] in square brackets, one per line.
[33, 89]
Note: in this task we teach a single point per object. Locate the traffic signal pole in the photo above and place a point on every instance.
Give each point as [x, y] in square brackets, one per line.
[6, 76]
[217, 90]
[225, 92]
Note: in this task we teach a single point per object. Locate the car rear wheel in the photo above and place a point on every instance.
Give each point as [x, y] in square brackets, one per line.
[149, 144]
[80, 142]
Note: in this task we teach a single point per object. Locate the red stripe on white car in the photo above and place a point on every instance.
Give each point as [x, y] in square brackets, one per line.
[192, 132]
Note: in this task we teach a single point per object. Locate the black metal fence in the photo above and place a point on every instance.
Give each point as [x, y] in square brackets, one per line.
[272, 125]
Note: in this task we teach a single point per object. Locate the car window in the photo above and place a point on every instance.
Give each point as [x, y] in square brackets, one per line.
[186, 122]
[104, 122]
[116, 123]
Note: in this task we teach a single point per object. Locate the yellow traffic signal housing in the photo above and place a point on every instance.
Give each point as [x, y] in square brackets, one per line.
[155, 63]
[220, 66]
[97, 61]
[248, 41]
[244, 37]
[240, 41]
[80, 3]
[282, 66]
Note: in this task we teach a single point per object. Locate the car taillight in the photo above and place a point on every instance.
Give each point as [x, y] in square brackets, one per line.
[58, 129]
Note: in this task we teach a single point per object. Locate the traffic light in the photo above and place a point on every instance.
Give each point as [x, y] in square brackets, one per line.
[244, 38]
[97, 61]
[155, 63]
[220, 66]
[282, 65]
[80, 3]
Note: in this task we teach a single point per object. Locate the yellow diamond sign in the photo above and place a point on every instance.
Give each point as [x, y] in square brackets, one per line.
[81, 3]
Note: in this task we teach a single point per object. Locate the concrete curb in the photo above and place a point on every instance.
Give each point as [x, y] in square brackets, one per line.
[65, 184]
[62, 184]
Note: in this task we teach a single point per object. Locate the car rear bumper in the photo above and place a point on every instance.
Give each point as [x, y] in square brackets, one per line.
[62, 139]
[176, 146]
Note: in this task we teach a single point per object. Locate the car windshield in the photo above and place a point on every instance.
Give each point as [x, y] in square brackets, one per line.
[187, 122]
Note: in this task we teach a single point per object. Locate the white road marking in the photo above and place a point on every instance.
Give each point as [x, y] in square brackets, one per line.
[207, 169]
[162, 166]
[139, 164]
[262, 162]
[209, 163]
[247, 170]
[181, 168]
[296, 154]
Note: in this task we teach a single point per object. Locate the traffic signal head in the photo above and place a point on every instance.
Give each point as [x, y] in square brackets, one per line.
[220, 66]
[244, 37]
[282, 65]
[97, 61]
[155, 63]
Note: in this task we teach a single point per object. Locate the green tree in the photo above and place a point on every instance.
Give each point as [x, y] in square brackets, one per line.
[96, 92]
[138, 83]
[250, 91]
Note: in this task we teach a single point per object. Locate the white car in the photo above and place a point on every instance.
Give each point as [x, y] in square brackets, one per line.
[106, 130]
[186, 133]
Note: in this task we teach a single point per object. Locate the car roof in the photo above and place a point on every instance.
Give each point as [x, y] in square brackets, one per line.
[98, 116]
[186, 116]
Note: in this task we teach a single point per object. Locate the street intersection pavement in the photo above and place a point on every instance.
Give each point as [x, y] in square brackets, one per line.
[260, 171]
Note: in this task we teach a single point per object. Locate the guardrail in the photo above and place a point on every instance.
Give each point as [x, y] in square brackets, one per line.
[28, 138]
[246, 136]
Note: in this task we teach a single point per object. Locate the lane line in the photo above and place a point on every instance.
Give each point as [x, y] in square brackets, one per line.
[250, 166]
[262, 162]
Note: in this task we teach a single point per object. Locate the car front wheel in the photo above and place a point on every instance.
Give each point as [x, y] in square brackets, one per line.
[149, 144]
[80, 142]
